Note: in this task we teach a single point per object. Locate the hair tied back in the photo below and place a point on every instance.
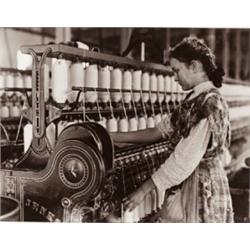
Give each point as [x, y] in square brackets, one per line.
[216, 76]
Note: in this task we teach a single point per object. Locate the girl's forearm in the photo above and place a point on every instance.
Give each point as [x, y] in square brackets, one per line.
[142, 136]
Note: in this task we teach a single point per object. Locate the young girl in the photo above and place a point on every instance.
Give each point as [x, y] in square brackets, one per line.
[199, 132]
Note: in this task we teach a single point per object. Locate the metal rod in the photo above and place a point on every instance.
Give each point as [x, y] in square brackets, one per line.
[85, 89]
[97, 57]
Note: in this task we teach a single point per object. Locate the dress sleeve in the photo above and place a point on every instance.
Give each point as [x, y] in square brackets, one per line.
[185, 158]
[165, 127]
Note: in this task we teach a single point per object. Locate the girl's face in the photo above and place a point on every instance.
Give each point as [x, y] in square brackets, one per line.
[184, 74]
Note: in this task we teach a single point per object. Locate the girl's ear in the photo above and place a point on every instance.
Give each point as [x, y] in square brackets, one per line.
[196, 66]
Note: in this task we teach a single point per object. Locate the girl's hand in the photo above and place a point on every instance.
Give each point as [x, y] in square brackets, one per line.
[134, 199]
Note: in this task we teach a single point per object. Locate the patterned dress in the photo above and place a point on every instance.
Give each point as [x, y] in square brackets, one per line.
[214, 200]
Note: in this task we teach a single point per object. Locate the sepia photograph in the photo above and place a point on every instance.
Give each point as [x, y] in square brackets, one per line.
[125, 124]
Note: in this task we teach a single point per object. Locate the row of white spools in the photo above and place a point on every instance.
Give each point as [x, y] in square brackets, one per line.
[11, 100]
[66, 75]
[10, 79]
[113, 124]
[10, 109]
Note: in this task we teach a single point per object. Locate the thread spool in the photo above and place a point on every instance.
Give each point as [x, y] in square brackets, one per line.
[167, 88]
[5, 112]
[112, 125]
[27, 136]
[123, 125]
[127, 85]
[136, 84]
[76, 79]
[153, 87]
[91, 80]
[150, 122]
[104, 82]
[27, 81]
[160, 88]
[133, 124]
[142, 124]
[60, 80]
[2, 79]
[116, 83]
[19, 83]
[9, 82]
[51, 134]
[145, 86]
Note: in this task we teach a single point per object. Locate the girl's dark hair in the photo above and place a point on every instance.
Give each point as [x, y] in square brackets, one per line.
[192, 48]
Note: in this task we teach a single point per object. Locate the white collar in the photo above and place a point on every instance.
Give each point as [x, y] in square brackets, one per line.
[201, 87]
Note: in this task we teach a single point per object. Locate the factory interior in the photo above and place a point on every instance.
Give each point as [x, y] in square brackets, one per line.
[63, 91]
[97, 104]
